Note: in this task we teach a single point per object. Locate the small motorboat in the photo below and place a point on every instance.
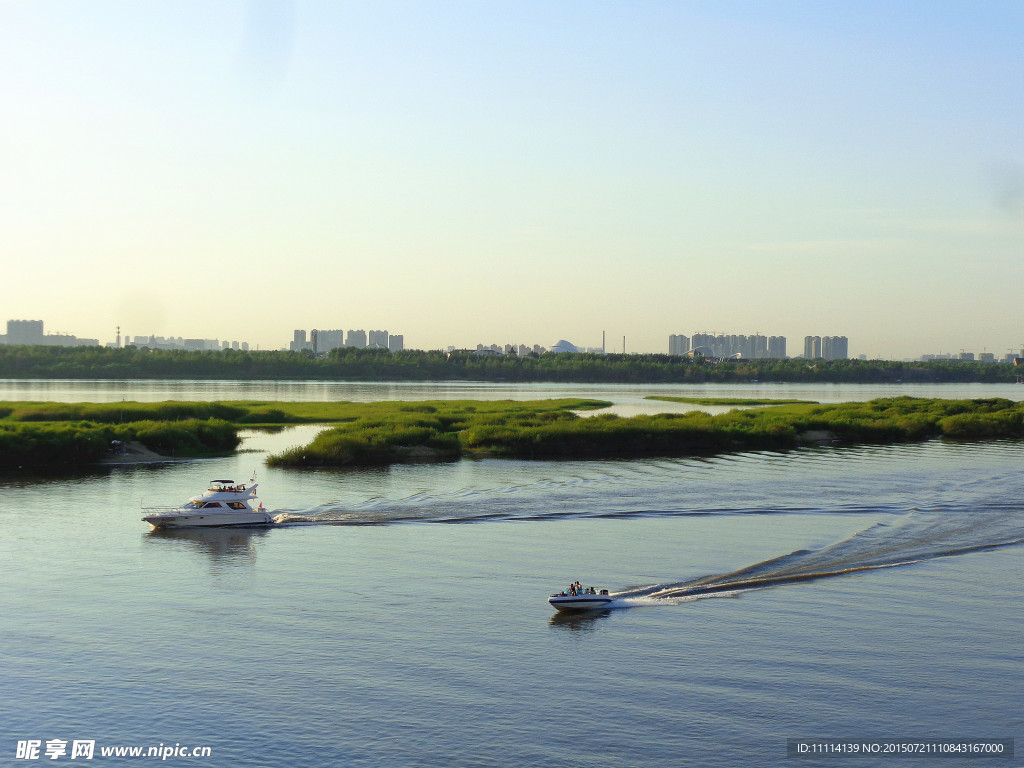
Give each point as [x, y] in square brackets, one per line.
[579, 598]
[223, 503]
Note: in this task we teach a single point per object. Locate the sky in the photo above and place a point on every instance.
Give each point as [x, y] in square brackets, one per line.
[516, 172]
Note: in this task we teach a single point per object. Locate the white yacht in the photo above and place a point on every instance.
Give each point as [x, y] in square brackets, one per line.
[225, 502]
[579, 598]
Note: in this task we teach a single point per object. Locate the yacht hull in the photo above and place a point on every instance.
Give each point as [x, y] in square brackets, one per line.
[214, 520]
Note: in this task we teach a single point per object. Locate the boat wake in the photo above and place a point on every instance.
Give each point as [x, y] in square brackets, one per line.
[925, 502]
[889, 482]
[916, 538]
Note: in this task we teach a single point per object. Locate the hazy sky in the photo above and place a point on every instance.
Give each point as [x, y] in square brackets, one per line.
[497, 172]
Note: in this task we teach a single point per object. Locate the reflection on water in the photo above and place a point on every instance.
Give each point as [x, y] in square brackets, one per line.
[578, 621]
[221, 545]
[630, 397]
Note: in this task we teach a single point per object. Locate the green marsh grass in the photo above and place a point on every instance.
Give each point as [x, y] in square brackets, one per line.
[388, 432]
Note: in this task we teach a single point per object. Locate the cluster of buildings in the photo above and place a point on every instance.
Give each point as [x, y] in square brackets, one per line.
[522, 350]
[178, 342]
[826, 348]
[30, 332]
[324, 341]
[755, 346]
[981, 357]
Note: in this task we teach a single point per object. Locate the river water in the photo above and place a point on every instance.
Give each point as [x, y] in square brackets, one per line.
[398, 616]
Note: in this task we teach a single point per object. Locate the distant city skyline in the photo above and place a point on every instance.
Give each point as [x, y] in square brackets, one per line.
[753, 346]
[517, 172]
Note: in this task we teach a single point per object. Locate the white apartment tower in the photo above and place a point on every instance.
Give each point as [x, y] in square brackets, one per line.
[812, 347]
[678, 344]
[299, 342]
[835, 347]
[328, 340]
[356, 339]
[777, 347]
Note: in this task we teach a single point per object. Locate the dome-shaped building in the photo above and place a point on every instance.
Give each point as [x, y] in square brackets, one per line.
[564, 346]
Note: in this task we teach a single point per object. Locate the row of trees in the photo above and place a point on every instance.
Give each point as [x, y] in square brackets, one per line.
[18, 362]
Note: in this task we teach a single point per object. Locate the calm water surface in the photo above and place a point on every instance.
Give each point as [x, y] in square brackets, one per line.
[628, 398]
[397, 617]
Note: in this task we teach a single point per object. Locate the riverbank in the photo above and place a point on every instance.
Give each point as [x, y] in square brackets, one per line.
[137, 453]
[349, 364]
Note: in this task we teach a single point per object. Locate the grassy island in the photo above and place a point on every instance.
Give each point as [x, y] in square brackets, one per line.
[528, 432]
[57, 434]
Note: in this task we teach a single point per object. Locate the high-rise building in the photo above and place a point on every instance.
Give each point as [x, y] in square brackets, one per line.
[299, 342]
[396, 342]
[678, 344]
[758, 347]
[356, 339]
[328, 340]
[25, 332]
[812, 347]
[834, 347]
[777, 347]
[378, 340]
[706, 342]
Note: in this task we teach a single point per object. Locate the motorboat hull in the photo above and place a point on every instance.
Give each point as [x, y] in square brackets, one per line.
[207, 520]
[579, 602]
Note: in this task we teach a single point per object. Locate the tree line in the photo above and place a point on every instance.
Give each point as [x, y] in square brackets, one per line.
[45, 362]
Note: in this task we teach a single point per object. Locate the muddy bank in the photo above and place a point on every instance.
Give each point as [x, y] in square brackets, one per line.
[137, 453]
